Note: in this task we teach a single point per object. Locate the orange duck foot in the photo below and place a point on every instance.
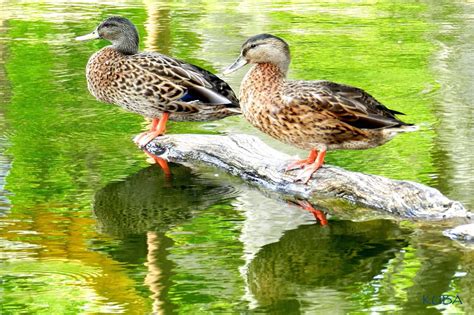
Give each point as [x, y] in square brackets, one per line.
[310, 165]
[158, 127]
[305, 175]
[153, 126]
[302, 163]
[140, 136]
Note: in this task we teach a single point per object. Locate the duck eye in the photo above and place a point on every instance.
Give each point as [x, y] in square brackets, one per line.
[107, 24]
[253, 45]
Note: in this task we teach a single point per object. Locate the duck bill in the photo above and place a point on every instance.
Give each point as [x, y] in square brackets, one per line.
[239, 63]
[93, 35]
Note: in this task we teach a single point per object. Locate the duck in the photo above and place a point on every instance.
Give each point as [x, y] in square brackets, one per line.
[311, 115]
[151, 84]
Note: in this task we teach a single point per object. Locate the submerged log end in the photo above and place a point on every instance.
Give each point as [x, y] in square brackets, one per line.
[462, 233]
[254, 161]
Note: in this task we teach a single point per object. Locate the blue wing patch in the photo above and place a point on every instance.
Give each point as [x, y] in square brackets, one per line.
[189, 97]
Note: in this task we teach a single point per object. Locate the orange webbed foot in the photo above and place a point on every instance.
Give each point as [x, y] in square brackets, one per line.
[310, 165]
[143, 141]
[302, 163]
[305, 175]
[139, 137]
[152, 128]
[157, 128]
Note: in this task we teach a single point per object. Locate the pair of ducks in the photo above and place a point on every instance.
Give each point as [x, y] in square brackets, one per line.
[312, 115]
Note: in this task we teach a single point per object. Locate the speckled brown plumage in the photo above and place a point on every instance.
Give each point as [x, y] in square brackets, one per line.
[150, 84]
[312, 115]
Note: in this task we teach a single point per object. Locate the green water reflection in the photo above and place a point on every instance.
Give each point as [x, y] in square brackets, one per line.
[86, 226]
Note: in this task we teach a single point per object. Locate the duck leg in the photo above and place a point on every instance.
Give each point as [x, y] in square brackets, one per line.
[153, 125]
[311, 167]
[302, 163]
[158, 130]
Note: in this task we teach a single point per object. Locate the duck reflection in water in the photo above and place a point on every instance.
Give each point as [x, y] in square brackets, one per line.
[302, 261]
[142, 208]
[321, 264]
[319, 215]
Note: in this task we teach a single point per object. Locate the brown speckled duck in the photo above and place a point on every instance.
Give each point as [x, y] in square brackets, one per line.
[311, 115]
[151, 84]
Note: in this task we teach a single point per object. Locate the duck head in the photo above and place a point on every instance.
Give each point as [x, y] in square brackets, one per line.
[119, 31]
[263, 48]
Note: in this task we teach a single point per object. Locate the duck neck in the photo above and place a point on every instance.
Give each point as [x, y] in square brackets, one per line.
[260, 82]
[126, 48]
[127, 45]
[266, 73]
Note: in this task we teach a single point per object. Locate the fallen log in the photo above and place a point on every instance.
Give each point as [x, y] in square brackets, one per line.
[254, 161]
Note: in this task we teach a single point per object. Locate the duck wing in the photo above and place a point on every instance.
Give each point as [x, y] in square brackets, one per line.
[346, 103]
[175, 80]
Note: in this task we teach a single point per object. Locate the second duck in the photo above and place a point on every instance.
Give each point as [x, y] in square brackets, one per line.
[311, 115]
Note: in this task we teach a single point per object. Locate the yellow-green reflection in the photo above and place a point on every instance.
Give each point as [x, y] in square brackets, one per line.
[86, 227]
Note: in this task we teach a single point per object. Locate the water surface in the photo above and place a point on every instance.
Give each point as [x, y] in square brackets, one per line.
[86, 226]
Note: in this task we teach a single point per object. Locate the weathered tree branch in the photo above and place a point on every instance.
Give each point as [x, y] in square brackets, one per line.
[251, 159]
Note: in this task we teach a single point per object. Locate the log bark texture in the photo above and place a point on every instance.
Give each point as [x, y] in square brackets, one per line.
[254, 161]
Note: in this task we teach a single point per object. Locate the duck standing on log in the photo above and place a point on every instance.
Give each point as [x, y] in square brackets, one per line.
[311, 115]
[151, 84]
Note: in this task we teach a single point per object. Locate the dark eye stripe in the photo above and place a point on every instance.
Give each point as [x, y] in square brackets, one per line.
[246, 49]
